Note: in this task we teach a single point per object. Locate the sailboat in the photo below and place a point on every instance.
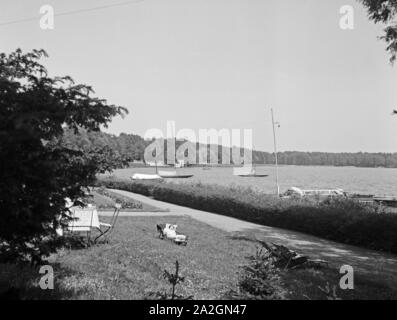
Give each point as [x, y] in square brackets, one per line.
[248, 172]
[144, 176]
[173, 174]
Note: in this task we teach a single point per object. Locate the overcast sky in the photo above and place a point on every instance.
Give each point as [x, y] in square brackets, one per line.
[223, 64]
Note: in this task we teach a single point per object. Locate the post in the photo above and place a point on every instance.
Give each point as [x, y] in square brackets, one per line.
[175, 152]
[275, 154]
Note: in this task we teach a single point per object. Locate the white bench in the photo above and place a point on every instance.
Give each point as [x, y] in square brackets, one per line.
[86, 219]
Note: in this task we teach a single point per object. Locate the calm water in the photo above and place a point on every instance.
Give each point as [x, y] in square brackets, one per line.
[378, 181]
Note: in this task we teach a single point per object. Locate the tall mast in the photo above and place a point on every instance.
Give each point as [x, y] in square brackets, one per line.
[275, 154]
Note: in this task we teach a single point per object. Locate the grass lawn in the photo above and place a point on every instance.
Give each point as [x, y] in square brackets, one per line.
[132, 265]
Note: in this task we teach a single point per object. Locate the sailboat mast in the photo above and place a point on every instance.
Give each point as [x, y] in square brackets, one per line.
[275, 154]
[253, 170]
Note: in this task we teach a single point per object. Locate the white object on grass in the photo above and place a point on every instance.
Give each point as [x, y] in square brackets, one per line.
[141, 176]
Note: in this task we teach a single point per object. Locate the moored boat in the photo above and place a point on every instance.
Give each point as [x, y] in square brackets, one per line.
[173, 175]
[389, 201]
[142, 176]
[255, 175]
[248, 172]
[295, 192]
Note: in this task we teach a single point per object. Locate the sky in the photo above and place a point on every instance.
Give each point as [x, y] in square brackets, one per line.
[223, 64]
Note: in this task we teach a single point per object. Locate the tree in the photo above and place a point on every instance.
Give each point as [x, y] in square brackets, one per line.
[384, 11]
[99, 146]
[37, 172]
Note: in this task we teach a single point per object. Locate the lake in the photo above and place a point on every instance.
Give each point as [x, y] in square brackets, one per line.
[379, 181]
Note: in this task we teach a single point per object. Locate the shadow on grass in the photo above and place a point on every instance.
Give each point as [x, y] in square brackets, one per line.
[21, 282]
[375, 275]
[241, 237]
[365, 260]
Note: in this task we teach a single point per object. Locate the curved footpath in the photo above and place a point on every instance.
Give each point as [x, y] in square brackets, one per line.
[337, 254]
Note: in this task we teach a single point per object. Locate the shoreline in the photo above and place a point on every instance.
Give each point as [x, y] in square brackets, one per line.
[141, 166]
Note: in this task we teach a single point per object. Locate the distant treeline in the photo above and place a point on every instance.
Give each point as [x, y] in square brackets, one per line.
[131, 147]
[359, 159]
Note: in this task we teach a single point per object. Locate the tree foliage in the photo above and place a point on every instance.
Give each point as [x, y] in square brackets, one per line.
[384, 11]
[37, 171]
[126, 147]
[92, 145]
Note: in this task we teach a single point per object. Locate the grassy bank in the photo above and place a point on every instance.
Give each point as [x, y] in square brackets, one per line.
[341, 220]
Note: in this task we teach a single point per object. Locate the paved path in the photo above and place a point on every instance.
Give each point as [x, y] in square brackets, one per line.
[215, 220]
[369, 261]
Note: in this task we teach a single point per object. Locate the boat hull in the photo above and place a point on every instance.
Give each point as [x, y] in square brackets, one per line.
[180, 176]
[138, 176]
[254, 175]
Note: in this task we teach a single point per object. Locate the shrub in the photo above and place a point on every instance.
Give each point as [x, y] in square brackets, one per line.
[173, 279]
[260, 279]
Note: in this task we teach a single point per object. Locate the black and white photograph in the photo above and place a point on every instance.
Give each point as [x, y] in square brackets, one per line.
[198, 155]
